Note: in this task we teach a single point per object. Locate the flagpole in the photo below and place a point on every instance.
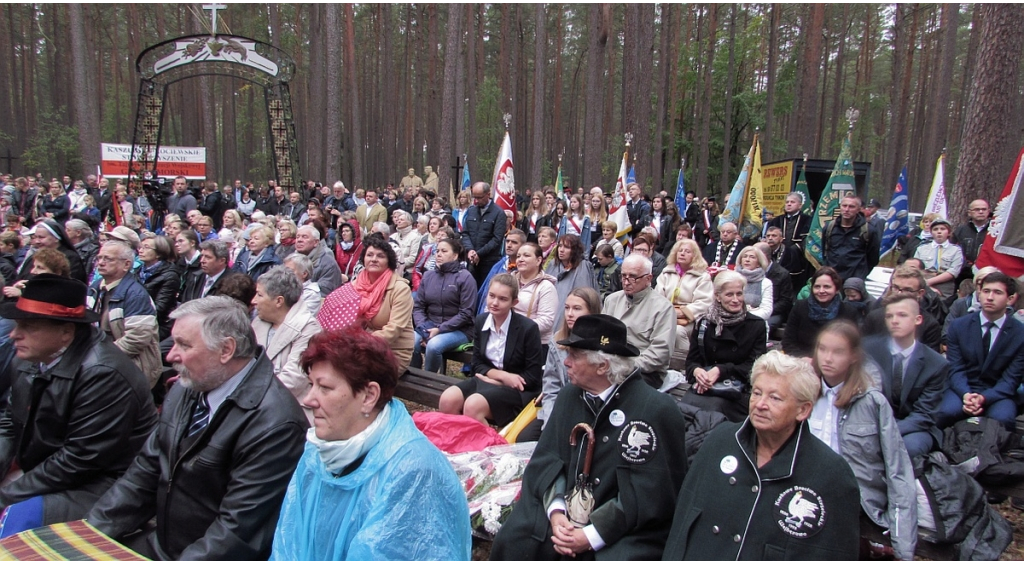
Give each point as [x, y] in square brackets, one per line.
[746, 189]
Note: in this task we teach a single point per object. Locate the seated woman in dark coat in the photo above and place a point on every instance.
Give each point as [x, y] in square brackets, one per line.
[507, 361]
[161, 278]
[808, 316]
[724, 344]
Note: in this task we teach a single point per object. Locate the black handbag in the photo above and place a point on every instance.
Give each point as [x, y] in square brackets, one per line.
[728, 388]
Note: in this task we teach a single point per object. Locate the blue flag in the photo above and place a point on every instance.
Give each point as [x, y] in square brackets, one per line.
[465, 177]
[680, 194]
[896, 223]
[631, 177]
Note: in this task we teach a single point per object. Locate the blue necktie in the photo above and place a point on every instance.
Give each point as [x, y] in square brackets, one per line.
[200, 415]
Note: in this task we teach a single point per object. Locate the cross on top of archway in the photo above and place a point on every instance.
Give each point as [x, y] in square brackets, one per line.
[213, 8]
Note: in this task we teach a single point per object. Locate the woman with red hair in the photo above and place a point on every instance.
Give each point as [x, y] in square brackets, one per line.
[369, 485]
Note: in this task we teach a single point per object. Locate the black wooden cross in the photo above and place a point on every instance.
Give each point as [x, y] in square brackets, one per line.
[9, 159]
[458, 173]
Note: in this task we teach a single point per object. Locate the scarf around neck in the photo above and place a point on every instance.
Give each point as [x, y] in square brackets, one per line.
[721, 318]
[752, 293]
[827, 312]
[338, 455]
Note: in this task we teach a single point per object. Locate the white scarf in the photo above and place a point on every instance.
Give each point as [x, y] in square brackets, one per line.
[338, 455]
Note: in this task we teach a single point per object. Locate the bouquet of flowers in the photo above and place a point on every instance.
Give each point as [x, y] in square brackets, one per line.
[492, 479]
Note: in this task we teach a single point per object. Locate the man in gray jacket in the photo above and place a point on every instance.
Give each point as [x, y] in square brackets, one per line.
[326, 272]
[649, 317]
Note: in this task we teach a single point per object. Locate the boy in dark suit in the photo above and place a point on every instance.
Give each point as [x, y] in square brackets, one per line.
[985, 360]
[914, 376]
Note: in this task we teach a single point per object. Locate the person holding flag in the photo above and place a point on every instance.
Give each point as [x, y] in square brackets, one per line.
[846, 243]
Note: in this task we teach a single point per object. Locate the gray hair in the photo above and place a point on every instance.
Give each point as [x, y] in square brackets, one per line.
[638, 260]
[313, 232]
[281, 281]
[728, 277]
[798, 195]
[405, 214]
[223, 318]
[619, 367]
[80, 226]
[804, 384]
[217, 247]
[382, 228]
[124, 250]
[423, 219]
[301, 262]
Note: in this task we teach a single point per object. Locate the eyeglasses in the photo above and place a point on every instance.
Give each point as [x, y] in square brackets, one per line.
[633, 279]
[904, 290]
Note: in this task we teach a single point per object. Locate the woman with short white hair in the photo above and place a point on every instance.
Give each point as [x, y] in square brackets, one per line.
[284, 326]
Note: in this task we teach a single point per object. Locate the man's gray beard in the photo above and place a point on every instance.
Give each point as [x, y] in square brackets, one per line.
[187, 381]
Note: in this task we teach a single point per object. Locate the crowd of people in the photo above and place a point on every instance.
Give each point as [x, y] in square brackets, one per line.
[228, 365]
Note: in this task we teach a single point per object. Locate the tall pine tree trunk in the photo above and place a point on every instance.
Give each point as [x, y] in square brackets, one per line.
[704, 146]
[446, 152]
[985, 153]
[597, 29]
[354, 125]
[84, 93]
[539, 65]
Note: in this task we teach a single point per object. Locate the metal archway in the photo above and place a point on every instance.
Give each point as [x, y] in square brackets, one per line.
[191, 56]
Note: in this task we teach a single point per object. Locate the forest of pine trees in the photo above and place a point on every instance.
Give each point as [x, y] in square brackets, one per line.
[380, 88]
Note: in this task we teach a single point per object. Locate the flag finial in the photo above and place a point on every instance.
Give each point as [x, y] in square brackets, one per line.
[508, 119]
[852, 115]
[560, 158]
[629, 139]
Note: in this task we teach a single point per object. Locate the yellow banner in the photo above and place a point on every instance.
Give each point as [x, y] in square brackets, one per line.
[777, 183]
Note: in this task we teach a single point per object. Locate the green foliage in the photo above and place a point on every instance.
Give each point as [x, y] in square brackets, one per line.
[53, 149]
[490, 127]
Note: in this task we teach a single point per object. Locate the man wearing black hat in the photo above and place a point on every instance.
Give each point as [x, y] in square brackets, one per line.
[875, 219]
[637, 460]
[80, 410]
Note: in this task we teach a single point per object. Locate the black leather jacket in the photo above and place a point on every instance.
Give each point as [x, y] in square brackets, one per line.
[76, 427]
[220, 498]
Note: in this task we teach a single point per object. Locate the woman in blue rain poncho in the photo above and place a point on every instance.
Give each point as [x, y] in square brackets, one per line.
[369, 485]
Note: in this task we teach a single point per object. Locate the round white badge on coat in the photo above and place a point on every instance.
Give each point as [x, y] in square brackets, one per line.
[729, 464]
[617, 418]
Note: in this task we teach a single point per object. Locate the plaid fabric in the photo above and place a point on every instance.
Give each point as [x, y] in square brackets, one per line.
[74, 541]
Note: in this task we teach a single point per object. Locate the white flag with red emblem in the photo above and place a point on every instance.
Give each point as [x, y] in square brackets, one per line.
[504, 183]
[617, 211]
[1003, 247]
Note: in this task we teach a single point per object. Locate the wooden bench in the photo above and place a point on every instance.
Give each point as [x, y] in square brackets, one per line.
[423, 387]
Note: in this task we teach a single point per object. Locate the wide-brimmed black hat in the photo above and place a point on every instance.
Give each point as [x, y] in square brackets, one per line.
[48, 296]
[600, 332]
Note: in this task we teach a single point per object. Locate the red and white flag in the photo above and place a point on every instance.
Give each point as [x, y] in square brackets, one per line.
[504, 183]
[1003, 247]
[617, 211]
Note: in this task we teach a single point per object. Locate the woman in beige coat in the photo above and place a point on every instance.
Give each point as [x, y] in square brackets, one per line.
[283, 327]
[686, 283]
[379, 299]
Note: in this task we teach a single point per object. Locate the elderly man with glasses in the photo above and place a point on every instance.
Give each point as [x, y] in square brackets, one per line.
[649, 317]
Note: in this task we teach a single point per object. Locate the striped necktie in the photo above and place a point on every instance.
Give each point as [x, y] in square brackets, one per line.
[200, 415]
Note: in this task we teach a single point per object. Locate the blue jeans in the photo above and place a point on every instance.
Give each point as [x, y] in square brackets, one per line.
[436, 347]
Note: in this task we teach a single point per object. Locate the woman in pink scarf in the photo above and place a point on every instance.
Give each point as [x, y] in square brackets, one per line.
[377, 299]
